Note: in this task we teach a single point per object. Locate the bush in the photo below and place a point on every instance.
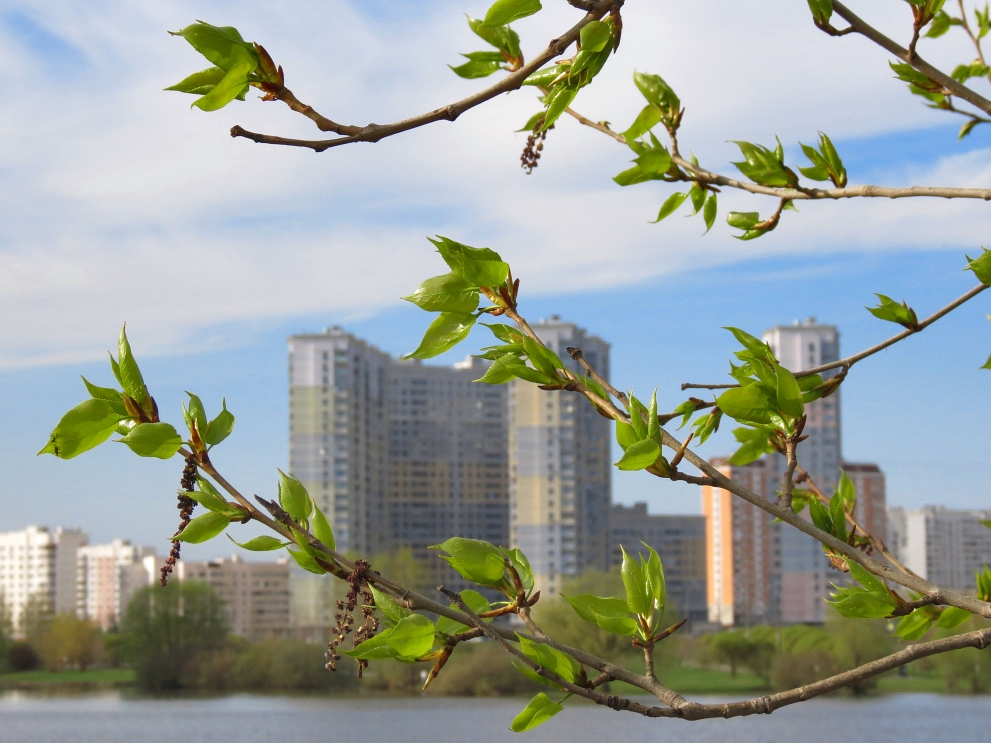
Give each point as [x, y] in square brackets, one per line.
[23, 657]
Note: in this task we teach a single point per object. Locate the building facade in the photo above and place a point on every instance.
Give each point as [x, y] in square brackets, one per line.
[38, 569]
[679, 542]
[107, 575]
[944, 546]
[560, 467]
[255, 594]
[871, 510]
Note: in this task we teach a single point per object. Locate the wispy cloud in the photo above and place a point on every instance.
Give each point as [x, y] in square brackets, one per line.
[127, 205]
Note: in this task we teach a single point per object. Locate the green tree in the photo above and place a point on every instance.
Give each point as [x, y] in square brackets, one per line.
[70, 642]
[166, 629]
[385, 619]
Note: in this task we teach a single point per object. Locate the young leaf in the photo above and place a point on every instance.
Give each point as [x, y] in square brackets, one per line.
[647, 119]
[479, 64]
[203, 528]
[788, 393]
[612, 615]
[505, 333]
[553, 660]
[981, 266]
[502, 12]
[476, 560]
[447, 293]
[197, 413]
[107, 394]
[447, 331]
[637, 414]
[159, 440]
[637, 596]
[709, 211]
[220, 427]
[293, 498]
[847, 492]
[388, 607]
[653, 425]
[502, 38]
[754, 443]
[750, 404]
[539, 710]
[639, 456]
[913, 626]
[952, 617]
[87, 425]
[263, 543]
[891, 311]
[305, 561]
[626, 435]
[478, 266]
[763, 166]
[475, 601]
[130, 375]
[522, 565]
[595, 36]
[670, 205]
[211, 501]
[654, 572]
[411, 638]
[321, 528]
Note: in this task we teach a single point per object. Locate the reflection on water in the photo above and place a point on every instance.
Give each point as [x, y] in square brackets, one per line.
[111, 718]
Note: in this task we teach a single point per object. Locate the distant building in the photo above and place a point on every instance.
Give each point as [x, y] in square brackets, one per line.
[108, 575]
[255, 594]
[39, 565]
[679, 542]
[763, 571]
[944, 546]
[560, 467]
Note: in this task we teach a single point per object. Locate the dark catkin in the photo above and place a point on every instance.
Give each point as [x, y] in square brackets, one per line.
[534, 146]
[185, 505]
[345, 616]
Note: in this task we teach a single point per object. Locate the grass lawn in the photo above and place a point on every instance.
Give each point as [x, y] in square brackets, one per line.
[96, 677]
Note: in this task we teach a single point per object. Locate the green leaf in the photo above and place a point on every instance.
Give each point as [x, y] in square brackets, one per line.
[321, 528]
[502, 38]
[913, 626]
[200, 83]
[639, 456]
[475, 601]
[647, 119]
[130, 375]
[263, 543]
[952, 617]
[447, 293]
[87, 425]
[763, 166]
[653, 425]
[543, 78]
[542, 358]
[388, 607]
[159, 440]
[788, 393]
[891, 311]
[478, 266]
[522, 565]
[626, 435]
[742, 220]
[293, 498]
[233, 86]
[305, 561]
[981, 266]
[220, 427]
[595, 36]
[222, 45]
[822, 10]
[612, 615]
[479, 64]
[474, 559]
[637, 414]
[670, 205]
[553, 660]
[658, 92]
[847, 492]
[655, 161]
[750, 404]
[539, 710]
[706, 425]
[211, 501]
[838, 516]
[505, 333]
[709, 211]
[940, 25]
[637, 596]
[203, 528]
[412, 637]
[558, 101]
[821, 515]
[654, 572]
[754, 443]
[502, 12]
[109, 395]
[197, 414]
[444, 333]
[502, 370]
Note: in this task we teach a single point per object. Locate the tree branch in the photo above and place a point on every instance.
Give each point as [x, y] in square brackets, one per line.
[450, 112]
[849, 361]
[912, 58]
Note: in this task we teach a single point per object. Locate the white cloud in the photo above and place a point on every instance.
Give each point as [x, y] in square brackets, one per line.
[127, 205]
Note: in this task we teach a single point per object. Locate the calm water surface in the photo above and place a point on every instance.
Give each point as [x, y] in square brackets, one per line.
[111, 718]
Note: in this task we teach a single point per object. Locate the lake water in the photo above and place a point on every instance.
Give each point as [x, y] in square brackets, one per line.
[112, 718]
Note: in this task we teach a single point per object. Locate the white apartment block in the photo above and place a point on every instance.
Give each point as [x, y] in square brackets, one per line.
[108, 575]
[944, 546]
[40, 564]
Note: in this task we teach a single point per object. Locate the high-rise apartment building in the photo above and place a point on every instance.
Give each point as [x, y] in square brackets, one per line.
[108, 575]
[39, 566]
[942, 545]
[446, 458]
[255, 594]
[560, 467]
[762, 571]
[679, 542]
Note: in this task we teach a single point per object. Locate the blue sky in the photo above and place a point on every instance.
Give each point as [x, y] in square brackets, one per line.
[128, 206]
